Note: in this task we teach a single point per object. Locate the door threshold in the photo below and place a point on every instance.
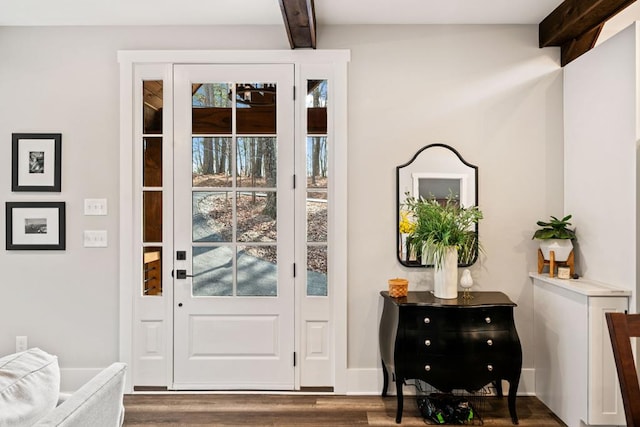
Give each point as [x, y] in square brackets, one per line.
[143, 388]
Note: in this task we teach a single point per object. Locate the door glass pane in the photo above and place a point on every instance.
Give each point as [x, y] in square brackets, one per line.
[317, 171]
[257, 271]
[256, 212]
[211, 162]
[211, 108]
[152, 216]
[316, 107]
[152, 167]
[317, 216]
[152, 271]
[152, 106]
[256, 108]
[212, 216]
[212, 271]
[241, 167]
[256, 162]
[317, 270]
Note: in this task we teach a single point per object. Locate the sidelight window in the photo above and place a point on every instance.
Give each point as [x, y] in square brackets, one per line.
[317, 175]
[152, 190]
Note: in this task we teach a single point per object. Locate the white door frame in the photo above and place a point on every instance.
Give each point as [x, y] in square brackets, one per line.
[337, 61]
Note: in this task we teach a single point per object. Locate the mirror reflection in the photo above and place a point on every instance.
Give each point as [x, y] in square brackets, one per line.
[436, 171]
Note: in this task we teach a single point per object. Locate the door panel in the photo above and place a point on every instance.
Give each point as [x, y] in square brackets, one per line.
[233, 216]
[215, 335]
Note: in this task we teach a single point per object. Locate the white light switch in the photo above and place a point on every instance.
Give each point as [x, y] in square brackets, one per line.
[95, 238]
[95, 206]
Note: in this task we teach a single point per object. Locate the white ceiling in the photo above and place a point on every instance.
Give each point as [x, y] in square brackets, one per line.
[267, 12]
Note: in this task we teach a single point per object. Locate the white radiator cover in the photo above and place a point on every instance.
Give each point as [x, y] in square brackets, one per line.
[575, 372]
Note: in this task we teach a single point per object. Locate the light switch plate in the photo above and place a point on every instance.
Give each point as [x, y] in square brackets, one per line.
[95, 238]
[21, 343]
[95, 206]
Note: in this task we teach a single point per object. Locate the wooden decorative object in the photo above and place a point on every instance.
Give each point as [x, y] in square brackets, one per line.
[398, 287]
[553, 264]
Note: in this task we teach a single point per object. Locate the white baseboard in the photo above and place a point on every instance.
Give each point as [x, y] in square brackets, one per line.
[359, 381]
[369, 382]
[71, 379]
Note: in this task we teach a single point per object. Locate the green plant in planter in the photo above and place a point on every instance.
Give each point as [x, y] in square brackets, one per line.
[442, 225]
[554, 229]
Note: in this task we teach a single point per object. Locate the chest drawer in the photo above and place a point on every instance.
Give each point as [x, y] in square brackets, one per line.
[444, 319]
[458, 342]
[449, 372]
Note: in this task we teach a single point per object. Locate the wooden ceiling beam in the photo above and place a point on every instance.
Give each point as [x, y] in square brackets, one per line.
[576, 24]
[300, 22]
[581, 44]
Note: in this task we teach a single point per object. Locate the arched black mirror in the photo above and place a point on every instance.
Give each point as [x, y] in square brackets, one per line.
[436, 171]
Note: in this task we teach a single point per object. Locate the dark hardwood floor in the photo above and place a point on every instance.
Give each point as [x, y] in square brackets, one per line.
[186, 409]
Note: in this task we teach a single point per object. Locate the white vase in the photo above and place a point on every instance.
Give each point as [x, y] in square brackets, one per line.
[445, 277]
[561, 248]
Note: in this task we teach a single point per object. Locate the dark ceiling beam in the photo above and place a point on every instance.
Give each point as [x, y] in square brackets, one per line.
[300, 21]
[576, 24]
[581, 44]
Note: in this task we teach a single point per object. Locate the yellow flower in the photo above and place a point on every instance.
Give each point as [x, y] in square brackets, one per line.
[406, 223]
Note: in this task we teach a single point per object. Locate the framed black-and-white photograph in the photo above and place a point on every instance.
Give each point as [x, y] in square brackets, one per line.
[37, 160]
[35, 225]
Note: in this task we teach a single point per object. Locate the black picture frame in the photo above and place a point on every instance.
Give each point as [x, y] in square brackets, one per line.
[35, 226]
[36, 162]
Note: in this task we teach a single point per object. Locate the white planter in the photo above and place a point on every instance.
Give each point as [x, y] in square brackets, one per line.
[561, 247]
[445, 277]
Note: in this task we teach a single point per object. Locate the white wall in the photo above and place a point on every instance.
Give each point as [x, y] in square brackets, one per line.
[67, 80]
[601, 94]
[488, 91]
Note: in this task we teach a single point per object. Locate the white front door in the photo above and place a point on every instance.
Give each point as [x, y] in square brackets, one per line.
[233, 221]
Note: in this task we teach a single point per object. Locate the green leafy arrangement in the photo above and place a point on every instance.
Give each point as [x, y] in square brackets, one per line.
[555, 229]
[439, 225]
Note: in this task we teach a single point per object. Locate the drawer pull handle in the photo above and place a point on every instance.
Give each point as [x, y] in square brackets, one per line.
[489, 343]
[427, 342]
[427, 368]
[427, 320]
[487, 319]
[489, 368]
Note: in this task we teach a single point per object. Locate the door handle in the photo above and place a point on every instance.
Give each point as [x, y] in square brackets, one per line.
[181, 274]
